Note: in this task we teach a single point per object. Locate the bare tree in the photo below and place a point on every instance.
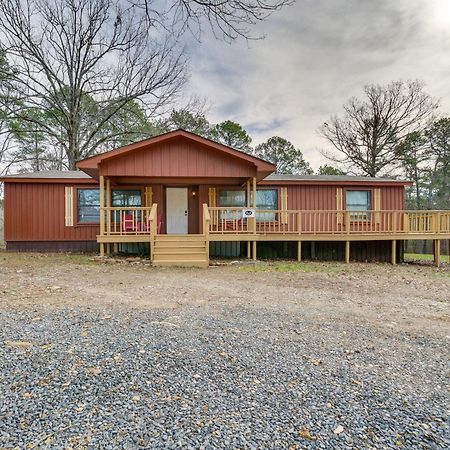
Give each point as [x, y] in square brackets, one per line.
[228, 20]
[81, 63]
[369, 132]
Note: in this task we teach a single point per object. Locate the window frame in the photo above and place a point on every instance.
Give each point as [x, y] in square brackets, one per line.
[137, 189]
[368, 215]
[76, 206]
[237, 188]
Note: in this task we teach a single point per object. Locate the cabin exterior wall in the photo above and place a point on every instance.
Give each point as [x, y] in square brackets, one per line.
[36, 212]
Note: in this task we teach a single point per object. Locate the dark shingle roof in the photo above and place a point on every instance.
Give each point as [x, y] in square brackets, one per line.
[67, 174]
[284, 177]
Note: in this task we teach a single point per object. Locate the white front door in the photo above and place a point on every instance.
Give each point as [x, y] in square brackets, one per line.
[177, 210]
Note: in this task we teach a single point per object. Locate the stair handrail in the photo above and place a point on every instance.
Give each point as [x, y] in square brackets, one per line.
[206, 224]
[153, 226]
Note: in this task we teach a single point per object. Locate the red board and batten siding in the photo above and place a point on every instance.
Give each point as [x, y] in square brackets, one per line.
[36, 212]
[177, 159]
[323, 197]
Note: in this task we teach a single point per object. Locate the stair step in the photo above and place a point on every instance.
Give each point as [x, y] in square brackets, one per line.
[184, 250]
[180, 237]
[179, 256]
[184, 263]
[178, 244]
[179, 250]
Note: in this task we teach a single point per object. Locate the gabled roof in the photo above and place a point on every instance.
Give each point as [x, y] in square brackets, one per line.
[90, 165]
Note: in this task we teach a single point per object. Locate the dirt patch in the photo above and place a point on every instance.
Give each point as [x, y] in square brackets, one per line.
[405, 298]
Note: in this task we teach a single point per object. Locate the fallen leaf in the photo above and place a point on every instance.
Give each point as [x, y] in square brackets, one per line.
[305, 434]
[135, 398]
[94, 370]
[339, 429]
[18, 344]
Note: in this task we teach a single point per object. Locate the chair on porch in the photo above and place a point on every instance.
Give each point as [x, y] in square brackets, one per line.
[129, 224]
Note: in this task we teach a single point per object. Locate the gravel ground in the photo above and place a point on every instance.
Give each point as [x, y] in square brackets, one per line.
[325, 357]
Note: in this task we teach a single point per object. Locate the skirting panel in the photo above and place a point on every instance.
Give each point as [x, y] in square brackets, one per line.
[321, 251]
[52, 246]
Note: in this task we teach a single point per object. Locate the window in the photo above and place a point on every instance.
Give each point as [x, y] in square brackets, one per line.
[265, 199]
[358, 201]
[232, 198]
[88, 205]
[125, 197]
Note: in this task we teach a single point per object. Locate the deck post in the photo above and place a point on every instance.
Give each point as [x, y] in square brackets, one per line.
[299, 251]
[437, 252]
[394, 252]
[254, 251]
[102, 207]
[347, 252]
[102, 249]
[249, 250]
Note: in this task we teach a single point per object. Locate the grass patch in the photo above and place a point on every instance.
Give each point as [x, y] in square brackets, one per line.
[290, 266]
[19, 258]
[423, 257]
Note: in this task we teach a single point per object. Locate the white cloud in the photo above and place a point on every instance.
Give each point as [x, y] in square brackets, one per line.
[317, 54]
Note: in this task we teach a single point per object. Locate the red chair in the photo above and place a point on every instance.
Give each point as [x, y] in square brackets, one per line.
[127, 223]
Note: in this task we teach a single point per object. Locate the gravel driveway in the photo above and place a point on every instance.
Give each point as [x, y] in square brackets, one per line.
[124, 356]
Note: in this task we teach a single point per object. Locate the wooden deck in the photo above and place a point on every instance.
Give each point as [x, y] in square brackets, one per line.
[140, 224]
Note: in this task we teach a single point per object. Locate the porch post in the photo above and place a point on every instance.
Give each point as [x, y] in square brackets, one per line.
[102, 213]
[108, 205]
[102, 205]
[254, 220]
[249, 246]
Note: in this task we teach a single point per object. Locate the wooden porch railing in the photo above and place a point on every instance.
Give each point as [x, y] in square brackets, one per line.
[128, 220]
[231, 221]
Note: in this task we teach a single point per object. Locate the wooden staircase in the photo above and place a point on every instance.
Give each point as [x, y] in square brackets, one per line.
[187, 250]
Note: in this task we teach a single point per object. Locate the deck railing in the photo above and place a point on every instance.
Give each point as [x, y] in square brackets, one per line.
[128, 220]
[123, 221]
[233, 221]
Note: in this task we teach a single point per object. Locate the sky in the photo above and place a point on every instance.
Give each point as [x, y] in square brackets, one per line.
[316, 55]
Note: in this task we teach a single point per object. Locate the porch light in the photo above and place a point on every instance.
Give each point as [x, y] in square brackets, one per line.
[194, 194]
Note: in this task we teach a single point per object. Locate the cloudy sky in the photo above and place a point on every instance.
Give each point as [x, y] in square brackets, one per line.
[316, 55]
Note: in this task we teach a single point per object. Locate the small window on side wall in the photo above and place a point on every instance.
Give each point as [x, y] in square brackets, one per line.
[88, 206]
[358, 203]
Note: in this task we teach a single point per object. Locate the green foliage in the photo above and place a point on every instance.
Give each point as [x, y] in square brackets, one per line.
[288, 159]
[232, 134]
[195, 122]
[326, 169]
[425, 159]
